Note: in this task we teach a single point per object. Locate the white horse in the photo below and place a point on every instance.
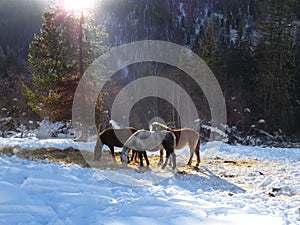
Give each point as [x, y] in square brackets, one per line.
[144, 140]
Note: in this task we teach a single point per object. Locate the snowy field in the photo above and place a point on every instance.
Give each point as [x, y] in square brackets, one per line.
[264, 190]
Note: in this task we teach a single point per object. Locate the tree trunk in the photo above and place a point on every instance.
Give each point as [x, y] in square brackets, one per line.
[84, 134]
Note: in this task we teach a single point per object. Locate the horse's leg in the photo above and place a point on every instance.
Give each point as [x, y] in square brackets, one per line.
[136, 156]
[192, 150]
[112, 152]
[197, 151]
[167, 158]
[174, 161]
[190, 160]
[146, 158]
[161, 157]
[170, 162]
[141, 158]
[98, 150]
[133, 155]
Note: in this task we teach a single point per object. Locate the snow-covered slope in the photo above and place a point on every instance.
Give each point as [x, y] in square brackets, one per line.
[42, 192]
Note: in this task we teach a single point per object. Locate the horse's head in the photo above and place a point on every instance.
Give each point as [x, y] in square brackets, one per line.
[124, 158]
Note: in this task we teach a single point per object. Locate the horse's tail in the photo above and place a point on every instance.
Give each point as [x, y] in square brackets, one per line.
[98, 149]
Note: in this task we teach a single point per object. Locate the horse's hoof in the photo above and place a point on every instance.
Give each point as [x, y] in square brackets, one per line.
[197, 164]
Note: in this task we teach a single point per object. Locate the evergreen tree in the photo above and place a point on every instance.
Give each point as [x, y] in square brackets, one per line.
[12, 102]
[210, 51]
[67, 44]
[275, 61]
[240, 64]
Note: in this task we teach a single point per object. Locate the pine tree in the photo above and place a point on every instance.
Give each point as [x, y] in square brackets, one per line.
[12, 102]
[210, 51]
[67, 44]
[275, 60]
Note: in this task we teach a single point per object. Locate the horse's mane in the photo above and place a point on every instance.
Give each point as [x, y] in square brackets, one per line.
[162, 125]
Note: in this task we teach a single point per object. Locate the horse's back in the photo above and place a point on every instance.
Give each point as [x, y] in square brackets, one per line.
[186, 136]
[143, 134]
[116, 137]
[150, 140]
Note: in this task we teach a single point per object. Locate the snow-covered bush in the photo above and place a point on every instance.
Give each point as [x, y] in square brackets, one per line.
[4, 125]
[258, 134]
[47, 129]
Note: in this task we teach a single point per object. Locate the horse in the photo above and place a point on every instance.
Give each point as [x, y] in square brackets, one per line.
[184, 137]
[144, 140]
[115, 138]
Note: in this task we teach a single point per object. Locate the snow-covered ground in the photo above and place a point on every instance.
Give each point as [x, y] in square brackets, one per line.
[42, 192]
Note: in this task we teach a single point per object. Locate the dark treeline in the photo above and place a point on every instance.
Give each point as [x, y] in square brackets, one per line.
[252, 46]
[19, 20]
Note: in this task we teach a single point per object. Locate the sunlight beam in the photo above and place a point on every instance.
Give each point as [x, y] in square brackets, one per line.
[77, 5]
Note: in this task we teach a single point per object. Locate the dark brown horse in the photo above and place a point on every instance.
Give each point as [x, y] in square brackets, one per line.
[115, 138]
[184, 137]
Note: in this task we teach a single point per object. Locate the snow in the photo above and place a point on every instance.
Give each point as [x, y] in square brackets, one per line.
[34, 142]
[43, 192]
[182, 11]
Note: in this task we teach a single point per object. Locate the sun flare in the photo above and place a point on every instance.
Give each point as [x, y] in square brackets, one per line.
[77, 5]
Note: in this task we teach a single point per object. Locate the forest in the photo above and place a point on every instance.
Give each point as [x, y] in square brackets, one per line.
[252, 47]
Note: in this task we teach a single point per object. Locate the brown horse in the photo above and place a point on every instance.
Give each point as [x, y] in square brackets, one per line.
[115, 138]
[184, 137]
